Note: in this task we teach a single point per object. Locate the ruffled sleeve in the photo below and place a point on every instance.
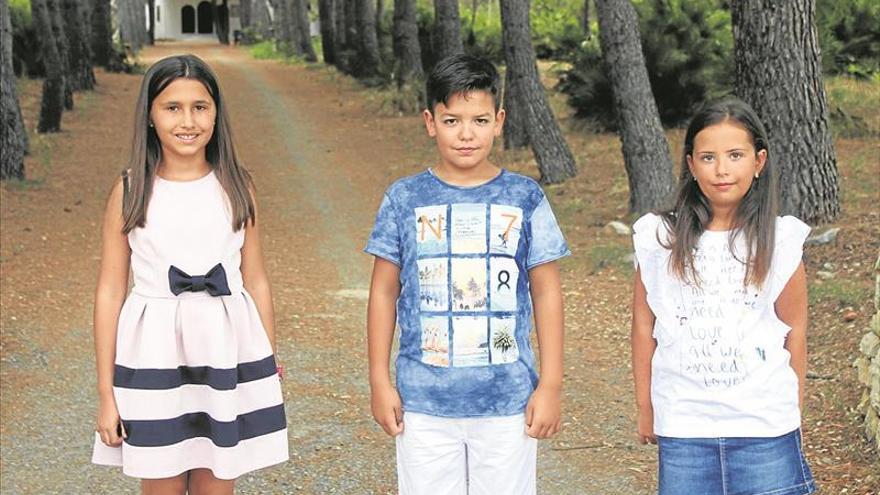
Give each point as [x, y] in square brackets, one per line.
[787, 253]
[648, 250]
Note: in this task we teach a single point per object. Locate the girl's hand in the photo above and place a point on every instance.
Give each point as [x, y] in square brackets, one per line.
[109, 424]
[646, 426]
[387, 409]
[544, 412]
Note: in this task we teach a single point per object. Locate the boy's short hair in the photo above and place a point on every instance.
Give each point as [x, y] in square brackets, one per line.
[461, 73]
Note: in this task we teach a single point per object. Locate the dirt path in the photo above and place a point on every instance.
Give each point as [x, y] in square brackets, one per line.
[321, 160]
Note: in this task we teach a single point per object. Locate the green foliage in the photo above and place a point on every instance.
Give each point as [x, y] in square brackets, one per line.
[556, 27]
[264, 50]
[849, 35]
[688, 49]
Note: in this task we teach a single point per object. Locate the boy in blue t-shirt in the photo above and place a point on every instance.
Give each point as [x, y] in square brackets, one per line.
[462, 252]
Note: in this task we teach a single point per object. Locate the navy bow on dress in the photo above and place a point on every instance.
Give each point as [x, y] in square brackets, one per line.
[214, 282]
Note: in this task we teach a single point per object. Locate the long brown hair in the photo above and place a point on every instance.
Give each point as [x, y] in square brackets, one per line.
[755, 216]
[146, 150]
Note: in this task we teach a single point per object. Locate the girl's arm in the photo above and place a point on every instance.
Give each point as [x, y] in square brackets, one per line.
[253, 274]
[109, 296]
[643, 346]
[791, 308]
[543, 412]
[381, 320]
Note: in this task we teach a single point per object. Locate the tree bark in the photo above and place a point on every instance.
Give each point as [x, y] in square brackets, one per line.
[407, 51]
[779, 73]
[52, 104]
[645, 150]
[368, 61]
[555, 160]
[585, 20]
[221, 20]
[80, 73]
[327, 16]
[101, 33]
[244, 13]
[304, 35]
[151, 32]
[516, 134]
[341, 33]
[60, 39]
[447, 29]
[13, 136]
[261, 19]
[132, 23]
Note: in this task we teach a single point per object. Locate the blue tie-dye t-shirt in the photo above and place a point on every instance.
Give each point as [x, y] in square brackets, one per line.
[464, 308]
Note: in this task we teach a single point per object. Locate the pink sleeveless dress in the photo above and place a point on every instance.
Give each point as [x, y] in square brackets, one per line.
[195, 379]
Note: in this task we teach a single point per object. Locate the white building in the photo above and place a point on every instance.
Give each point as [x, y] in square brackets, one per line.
[192, 19]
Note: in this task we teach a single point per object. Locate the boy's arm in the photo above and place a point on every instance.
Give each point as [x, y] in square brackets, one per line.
[543, 413]
[791, 308]
[381, 320]
[643, 346]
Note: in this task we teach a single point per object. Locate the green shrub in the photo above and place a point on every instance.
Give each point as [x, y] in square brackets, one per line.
[688, 49]
[849, 36]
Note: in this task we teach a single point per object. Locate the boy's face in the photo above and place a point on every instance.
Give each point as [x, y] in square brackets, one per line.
[465, 129]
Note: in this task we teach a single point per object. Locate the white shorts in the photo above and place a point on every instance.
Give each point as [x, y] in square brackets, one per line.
[465, 456]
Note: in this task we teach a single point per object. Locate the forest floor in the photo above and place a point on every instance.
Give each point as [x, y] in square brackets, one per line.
[322, 150]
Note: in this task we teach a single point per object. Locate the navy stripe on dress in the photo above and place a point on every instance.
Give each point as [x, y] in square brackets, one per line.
[216, 378]
[162, 432]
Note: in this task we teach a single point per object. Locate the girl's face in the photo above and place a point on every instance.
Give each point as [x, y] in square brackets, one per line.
[724, 163]
[183, 115]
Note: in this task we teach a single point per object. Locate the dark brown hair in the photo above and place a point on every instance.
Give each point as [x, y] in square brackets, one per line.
[755, 216]
[146, 150]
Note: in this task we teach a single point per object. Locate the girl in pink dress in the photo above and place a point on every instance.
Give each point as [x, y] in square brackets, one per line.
[190, 396]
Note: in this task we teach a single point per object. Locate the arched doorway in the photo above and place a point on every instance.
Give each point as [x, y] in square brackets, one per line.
[206, 18]
[188, 19]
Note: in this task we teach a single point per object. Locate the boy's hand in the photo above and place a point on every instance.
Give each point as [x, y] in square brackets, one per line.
[646, 426]
[543, 413]
[387, 409]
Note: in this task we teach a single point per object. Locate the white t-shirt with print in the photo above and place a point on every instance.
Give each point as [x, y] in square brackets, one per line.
[720, 368]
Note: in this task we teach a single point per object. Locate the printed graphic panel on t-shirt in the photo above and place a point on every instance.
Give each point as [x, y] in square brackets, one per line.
[503, 340]
[469, 284]
[503, 275]
[506, 223]
[468, 228]
[433, 284]
[431, 229]
[470, 344]
[435, 341]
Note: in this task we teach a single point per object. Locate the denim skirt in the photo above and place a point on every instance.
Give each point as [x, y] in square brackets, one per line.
[734, 466]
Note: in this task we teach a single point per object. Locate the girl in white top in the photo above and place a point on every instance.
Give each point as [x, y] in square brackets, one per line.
[719, 319]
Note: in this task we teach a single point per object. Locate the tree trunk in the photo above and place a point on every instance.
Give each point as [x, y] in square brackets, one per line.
[261, 19]
[102, 33]
[779, 73]
[555, 160]
[151, 32]
[368, 61]
[132, 24]
[60, 39]
[244, 13]
[585, 20]
[516, 135]
[340, 41]
[352, 34]
[304, 35]
[221, 20]
[52, 104]
[407, 51]
[13, 136]
[327, 16]
[80, 72]
[447, 29]
[645, 150]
